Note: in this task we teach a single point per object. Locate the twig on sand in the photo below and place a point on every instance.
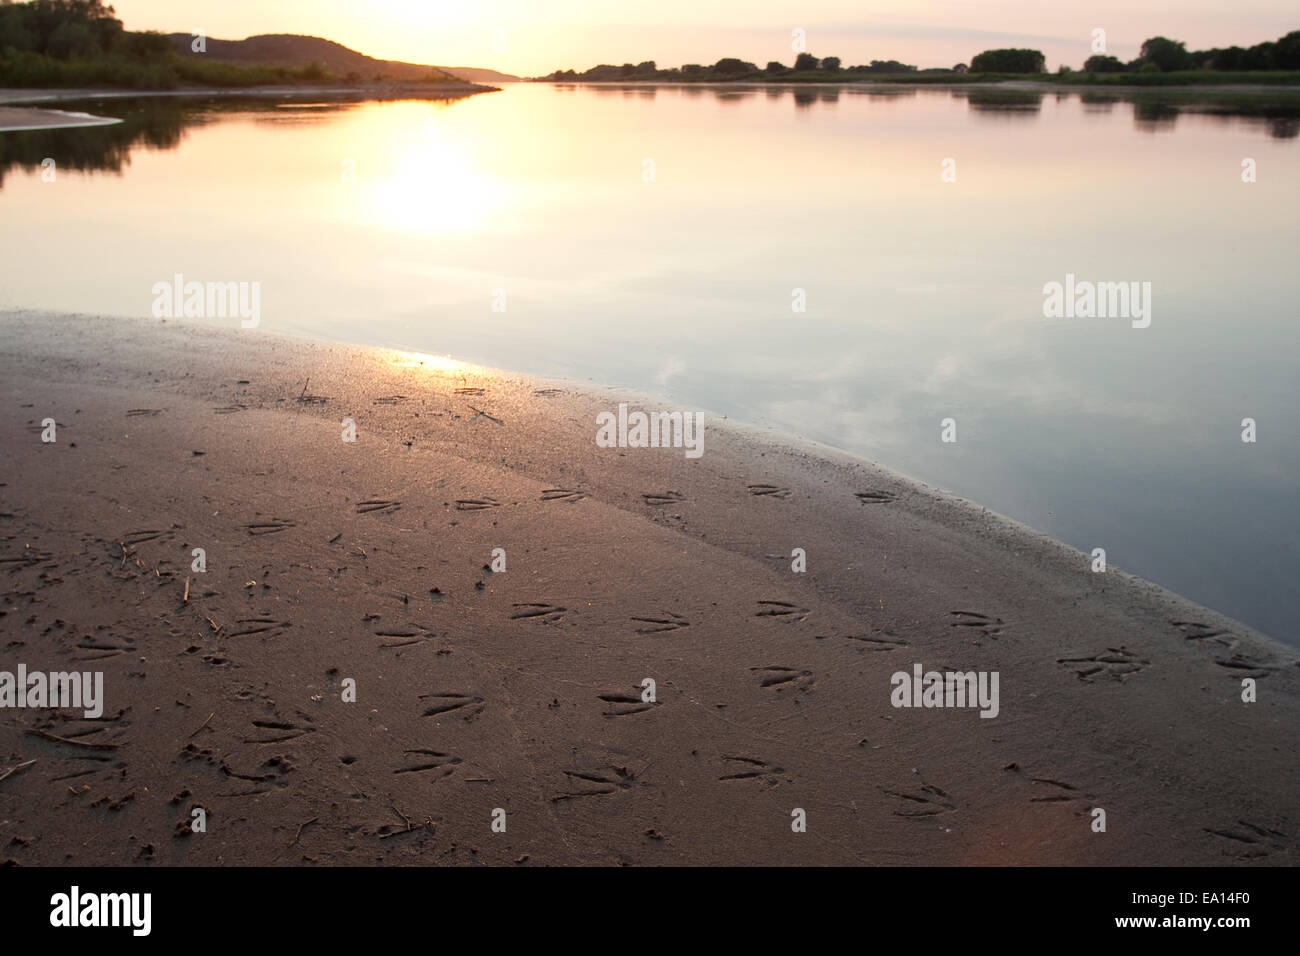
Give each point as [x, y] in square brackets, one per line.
[64, 740]
[201, 726]
[215, 626]
[16, 768]
[300, 829]
[185, 598]
[304, 388]
[403, 816]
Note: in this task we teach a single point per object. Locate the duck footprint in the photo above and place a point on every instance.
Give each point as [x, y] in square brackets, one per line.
[546, 613]
[780, 677]
[668, 621]
[769, 491]
[928, 801]
[782, 609]
[1114, 663]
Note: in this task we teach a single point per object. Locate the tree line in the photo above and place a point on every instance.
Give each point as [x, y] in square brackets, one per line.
[730, 68]
[82, 43]
[1158, 55]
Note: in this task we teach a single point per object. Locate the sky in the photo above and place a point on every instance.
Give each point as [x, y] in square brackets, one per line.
[534, 37]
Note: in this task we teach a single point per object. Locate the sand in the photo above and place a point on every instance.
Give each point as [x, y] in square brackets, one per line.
[521, 691]
[13, 119]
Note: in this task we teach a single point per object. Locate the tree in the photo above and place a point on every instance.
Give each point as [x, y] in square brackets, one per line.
[1009, 61]
[1259, 57]
[646, 68]
[774, 66]
[71, 41]
[45, 18]
[1286, 52]
[731, 66]
[961, 68]
[831, 64]
[1168, 55]
[890, 66]
[1103, 64]
[805, 61]
[150, 45]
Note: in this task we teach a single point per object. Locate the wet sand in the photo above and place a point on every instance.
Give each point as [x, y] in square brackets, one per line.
[522, 690]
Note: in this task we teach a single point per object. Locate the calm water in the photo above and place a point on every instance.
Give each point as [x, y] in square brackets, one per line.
[924, 298]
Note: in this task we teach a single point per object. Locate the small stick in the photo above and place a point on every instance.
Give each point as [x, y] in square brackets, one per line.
[186, 596]
[402, 815]
[16, 768]
[76, 743]
[304, 388]
[201, 726]
[215, 626]
[301, 828]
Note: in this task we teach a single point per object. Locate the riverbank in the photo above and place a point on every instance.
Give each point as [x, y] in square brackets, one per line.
[374, 91]
[520, 687]
[16, 119]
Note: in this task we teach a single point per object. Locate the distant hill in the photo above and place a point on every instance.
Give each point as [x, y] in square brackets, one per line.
[292, 50]
[477, 74]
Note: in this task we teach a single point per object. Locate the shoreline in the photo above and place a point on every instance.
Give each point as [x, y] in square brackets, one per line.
[1010, 531]
[521, 690]
[1018, 85]
[16, 117]
[16, 120]
[10, 95]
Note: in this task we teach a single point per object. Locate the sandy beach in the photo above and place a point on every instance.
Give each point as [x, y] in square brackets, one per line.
[477, 691]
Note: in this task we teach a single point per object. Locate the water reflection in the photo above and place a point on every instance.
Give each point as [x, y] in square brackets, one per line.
[1015, 104]
[151, 123]
[924, 299]
[1098, 102]
[1153, 117]
[1276, 112]
[160, 123]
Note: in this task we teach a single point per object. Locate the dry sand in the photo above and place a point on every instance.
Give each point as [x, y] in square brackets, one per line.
[521, 690]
